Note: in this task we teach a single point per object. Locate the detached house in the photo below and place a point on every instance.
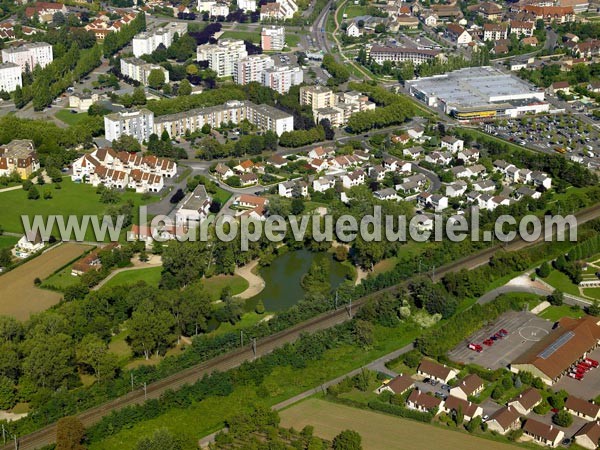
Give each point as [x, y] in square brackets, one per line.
[471, 385]
[540, 179]
[588, 436]
[436, 371]
[526, 401]
[543, 434]
[582, 408]
[397, 386]
[223, 171]
[458, 35]
[453, 144]
[324, 183]
[504, 420]
[195, 208]
[469, 410]
[352, 179]
[423, 402]
[386, 194]
[456, 189]
[290, 188]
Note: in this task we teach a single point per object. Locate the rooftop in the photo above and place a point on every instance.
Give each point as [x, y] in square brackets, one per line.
[473, 87]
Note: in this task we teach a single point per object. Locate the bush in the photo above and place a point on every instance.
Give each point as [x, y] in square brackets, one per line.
[400, 411]
[562, 419]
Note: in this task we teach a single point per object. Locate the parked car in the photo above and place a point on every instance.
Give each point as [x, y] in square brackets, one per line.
[475, 347]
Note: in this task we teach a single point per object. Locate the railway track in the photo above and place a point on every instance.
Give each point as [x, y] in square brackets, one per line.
[47, 435]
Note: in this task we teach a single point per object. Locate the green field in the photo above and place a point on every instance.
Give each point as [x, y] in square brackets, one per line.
[209, 415]
[380, 431]
[354, 11]
[251, 36]
[554, 313]
[150, 275]
[71, 199]
[560, 281]
[8, 241]
[69, 118]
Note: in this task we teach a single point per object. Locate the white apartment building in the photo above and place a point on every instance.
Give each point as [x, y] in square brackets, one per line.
[272, 38]
[279, 10]
[343, 107]
[222, 56]
[139, 124]
[281, 79]
[317, 97]
[263, 116]
[10, 77]
[417, 56]
[29, 55]
[139, 70]
[247, 5]
[146, 42]
[219, 9]
[251, 68]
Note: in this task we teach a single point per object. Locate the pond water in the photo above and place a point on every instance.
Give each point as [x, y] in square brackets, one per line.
[284, 275]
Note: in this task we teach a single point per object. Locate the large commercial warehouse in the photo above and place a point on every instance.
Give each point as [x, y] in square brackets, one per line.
[478, 93]
[569, 342]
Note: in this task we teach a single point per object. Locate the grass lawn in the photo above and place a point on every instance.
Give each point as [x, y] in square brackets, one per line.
[214, 285]
[71, 199]
[119, 346]
[150, 275]
[221, 195]
[379, 431]
[248, 319]
[61, 280]
[292, 40]
[8, 241]
[251, 36]
[69, 118]
[204, 417]
[592, 292]
[562, 282]
[355, 11]
[554, 313]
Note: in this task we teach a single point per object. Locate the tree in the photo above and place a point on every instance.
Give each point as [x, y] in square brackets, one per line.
[151, 330]
[347, 440]
[69, 434]
[139, 95]
[562, 419]
[92, 353]
[185, 88]
[544, 269]
[126, 143]
[50, 362]
[363, 333]
[8, 393]
[33, 193]
[297, 206]
[260, 307]
[156, 78]
[593, 309]
[556, 298]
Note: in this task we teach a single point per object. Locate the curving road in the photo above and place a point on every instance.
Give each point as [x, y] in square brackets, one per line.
[233, 359]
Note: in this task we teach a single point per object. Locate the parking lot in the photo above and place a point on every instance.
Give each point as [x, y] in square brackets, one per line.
[524, 329]
[559, 133]
[588, 388]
